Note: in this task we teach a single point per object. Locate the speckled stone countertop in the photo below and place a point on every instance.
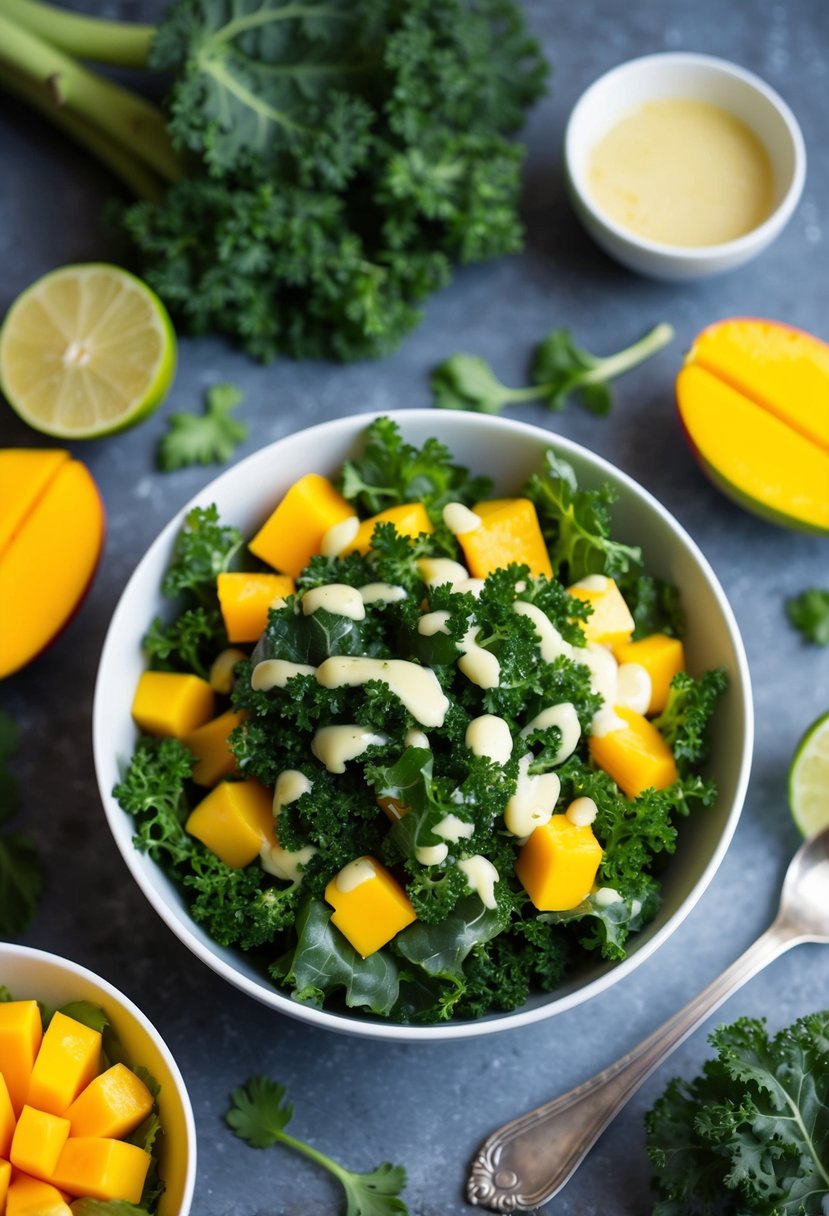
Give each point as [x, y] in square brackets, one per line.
[430, 1106]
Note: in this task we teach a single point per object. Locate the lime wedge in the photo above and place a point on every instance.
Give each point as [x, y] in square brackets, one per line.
[809, 779]
[87, 350]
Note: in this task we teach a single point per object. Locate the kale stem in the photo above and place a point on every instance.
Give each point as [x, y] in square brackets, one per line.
[613, 365]
[119, 43]
[125, 118]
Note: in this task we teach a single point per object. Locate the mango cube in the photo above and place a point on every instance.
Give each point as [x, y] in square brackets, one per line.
[37, 1142]
[208, 743]
[610, 623]
[7, 1121]
[5, 1179]
[171, 703]
[557, 865]
[112, 1105]
[662, 657]
[245, 600]
[635, 755]
[21, 1031]
[102, 1168]
[293, 533]
[68, 1059]
[233, 821]
[29, 1196]
[409, 519]
[370, 906]
[509, 532]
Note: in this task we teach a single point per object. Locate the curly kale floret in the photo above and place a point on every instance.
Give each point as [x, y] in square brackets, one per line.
[189, 643]
[684, 721]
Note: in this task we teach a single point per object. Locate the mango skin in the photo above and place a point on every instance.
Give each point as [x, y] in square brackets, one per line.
[49, 555]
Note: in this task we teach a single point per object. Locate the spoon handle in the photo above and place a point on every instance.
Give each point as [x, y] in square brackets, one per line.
[525, 1162]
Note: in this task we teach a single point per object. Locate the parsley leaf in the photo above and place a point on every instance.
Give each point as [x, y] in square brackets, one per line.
[809, 612]
[204, 549]
[21, 873]
[259, 1115]
[208, 438]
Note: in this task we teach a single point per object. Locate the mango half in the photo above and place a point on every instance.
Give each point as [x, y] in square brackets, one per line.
[753, 397]
[51, 534]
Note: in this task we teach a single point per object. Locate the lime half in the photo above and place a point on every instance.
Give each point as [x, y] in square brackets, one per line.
[809, 779]
[85, 351]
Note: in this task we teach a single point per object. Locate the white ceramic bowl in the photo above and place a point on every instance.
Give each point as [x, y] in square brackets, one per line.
[700, 78]
[35, 975]
[508, 451]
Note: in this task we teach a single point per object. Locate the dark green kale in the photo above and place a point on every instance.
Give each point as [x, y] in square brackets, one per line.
[654, 605]
[685, 719]
[189, 643]
[204, 549]
[809, 613]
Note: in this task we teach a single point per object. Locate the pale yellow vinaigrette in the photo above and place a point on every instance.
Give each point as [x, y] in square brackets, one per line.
[682, 172]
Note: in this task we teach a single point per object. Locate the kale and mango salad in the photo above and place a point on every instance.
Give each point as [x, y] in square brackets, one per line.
[417, 750]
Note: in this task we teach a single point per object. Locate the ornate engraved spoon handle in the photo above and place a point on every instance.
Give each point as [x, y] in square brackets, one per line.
[525, 1162]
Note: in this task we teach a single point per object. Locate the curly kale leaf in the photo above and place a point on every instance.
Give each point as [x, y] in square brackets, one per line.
[684, 721]
[604, 923]
[654, 604]
[204, 549]
[577, 524]
[189, 643]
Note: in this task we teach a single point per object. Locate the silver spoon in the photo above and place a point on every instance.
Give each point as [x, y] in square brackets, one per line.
[528, 1160]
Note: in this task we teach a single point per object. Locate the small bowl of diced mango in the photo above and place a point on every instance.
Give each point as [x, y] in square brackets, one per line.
[92, 1104]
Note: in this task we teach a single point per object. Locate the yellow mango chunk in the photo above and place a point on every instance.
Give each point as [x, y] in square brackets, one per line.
[7, 1120]
[208, 744]
[509, 532]
[293, 533]
[38, 1141]
[171, 703]
[21, 1031]
[635, 756]
[370, 906]
[610, 623]
[68, 1059]
[233, 821]
[557, 865]
[661, 656]
[244, 600]
[409, 519]
[5, 1179]
[24, 475]
[102, 1168]
[29, 1196]
[112, 1105]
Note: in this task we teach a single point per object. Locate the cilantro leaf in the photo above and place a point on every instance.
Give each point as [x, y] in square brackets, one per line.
[208, 438]
[259, 1115]
[809, 612]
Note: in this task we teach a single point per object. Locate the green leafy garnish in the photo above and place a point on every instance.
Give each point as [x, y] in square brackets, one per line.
[259, 1115]
[684, 720]
[208, 438]
[809, 612]
[560, 369]
[204, 549]
[21, 873]
[749, 1136]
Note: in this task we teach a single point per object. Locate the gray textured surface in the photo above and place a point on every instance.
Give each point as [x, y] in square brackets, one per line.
[430, 1106]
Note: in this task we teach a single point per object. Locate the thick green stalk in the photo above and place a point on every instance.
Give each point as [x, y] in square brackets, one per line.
[122, 44]
[128, 120]
[140, 180]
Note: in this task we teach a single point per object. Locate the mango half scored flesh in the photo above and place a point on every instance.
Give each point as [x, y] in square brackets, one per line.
[753, 397]
[51, 535]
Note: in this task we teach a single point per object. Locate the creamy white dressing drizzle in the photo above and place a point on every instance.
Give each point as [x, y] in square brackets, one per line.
[382, 593]
[415, 738]
[563, 716]
[435, 571]
[337, 598]
[416, 687]
[472, 586]
[582, 811]
[354, 874]
[275, 673]
[605, 722]
[339, 536]
[459, 519]
[633, 687]
[605, 896]
[477, 664]
[481, 876]
[335, 745]
[432, 854]
[287, 864]
[596, 583]
[490, 736]
[603, 669]
[431, 623]
[290, 785]
[453, 829]
[552, 644]
[534, 799]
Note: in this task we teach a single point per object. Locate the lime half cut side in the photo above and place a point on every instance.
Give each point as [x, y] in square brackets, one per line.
[809, 779]
[87, 350]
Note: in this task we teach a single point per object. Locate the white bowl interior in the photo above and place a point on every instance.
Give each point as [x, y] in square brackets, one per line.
[36, 975]
[508, 451]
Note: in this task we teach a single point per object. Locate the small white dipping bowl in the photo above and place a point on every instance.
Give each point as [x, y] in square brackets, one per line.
[508, 451]
[36, 975]
[700, 78]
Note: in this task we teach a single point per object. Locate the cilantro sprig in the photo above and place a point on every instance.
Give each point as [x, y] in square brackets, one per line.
[207, 438]
[21, 873]
[259, 1115]
[809, 612]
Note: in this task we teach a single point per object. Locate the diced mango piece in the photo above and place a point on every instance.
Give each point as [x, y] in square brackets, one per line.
[244, 600]
[112, 1105]
[37, 1142]
[29, 1196]
[208, 744]
[370, 906]
[610, 623]
[635, 756]
[557, 865]
[409, 519]
[102, 1168]
[68, 1059]
[171, 703]
[393, 808]
[24, 475]
[509, 532]
[233, 821]
[21, 1031]
[662, 657]
[5, 1179]
[7, 1120]
[293, 533]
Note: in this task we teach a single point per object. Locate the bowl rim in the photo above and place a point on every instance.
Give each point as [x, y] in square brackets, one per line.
[690, 254]
[350, 427]
[73, 970]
